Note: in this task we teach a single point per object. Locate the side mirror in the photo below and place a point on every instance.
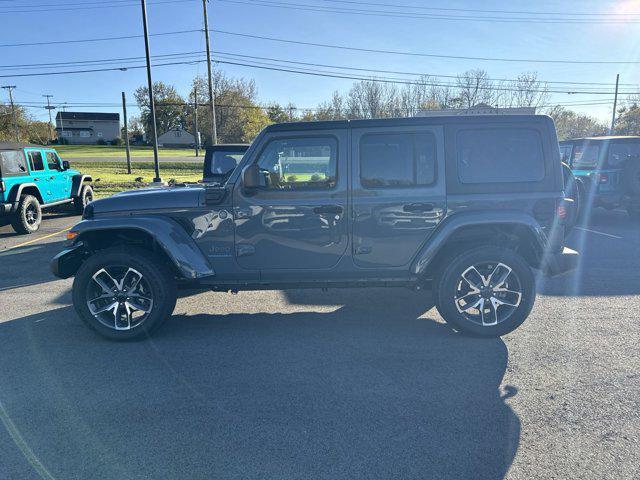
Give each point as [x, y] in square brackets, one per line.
[252, 177]
[65, 165]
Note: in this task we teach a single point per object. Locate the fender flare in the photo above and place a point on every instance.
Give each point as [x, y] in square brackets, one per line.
[16, 191]
[447, 229]
[78, 182]
[172, 238]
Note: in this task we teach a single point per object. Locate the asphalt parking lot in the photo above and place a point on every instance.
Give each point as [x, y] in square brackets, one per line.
[338, 384]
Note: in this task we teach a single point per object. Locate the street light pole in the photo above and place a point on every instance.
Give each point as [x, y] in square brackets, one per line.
[152, 109]
[13, 110]
[615, 105]
[212, 105]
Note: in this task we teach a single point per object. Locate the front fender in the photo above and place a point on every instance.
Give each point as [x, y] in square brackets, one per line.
[447, 229]
[171, 237]
[76, 183]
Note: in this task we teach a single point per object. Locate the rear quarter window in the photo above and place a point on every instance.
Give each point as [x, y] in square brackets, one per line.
[499, 155]
[12, 163]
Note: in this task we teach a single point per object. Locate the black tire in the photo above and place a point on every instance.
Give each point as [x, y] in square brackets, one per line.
[81, 201]
[28, 216]
[582, 212]
[450, 292]
[156, 282]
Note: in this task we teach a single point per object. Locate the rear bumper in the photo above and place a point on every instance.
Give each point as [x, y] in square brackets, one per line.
[559, 263]
[68, 261]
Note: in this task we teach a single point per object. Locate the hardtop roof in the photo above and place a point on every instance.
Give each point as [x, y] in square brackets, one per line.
[18, 145]
[406, 121]
[601, 139]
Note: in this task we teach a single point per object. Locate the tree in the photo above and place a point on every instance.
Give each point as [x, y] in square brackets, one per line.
[475, 87]
[171, 108]
[527, 91]
[277, 113]
[628, 120]
[570, 124]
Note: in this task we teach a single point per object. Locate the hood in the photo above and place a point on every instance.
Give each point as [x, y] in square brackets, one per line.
[156, 198]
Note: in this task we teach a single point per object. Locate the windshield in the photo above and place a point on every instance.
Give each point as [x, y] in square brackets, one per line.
[12, 163]
[586, 155]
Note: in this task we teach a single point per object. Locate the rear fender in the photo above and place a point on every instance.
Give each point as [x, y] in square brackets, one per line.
[30, 188]
[169, 235]
[446, 233]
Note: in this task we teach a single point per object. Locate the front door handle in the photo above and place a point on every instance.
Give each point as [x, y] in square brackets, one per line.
[418, 207]
[36, 179]
[331, 209]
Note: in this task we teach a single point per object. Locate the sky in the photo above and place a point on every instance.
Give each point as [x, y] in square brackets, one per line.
[576, 32]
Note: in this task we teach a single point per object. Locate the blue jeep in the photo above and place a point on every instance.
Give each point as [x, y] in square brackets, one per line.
[33, 177]
[607, 172]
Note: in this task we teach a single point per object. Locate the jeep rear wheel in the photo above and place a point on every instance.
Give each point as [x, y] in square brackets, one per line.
[81, 201]
[124, 294]
[28, 215]
[488, 292]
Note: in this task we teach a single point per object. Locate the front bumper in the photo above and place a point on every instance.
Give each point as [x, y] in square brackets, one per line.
[68, 261]
[558, 263]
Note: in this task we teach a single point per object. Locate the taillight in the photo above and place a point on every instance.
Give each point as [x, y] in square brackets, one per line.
[2, 186]
[602, 178]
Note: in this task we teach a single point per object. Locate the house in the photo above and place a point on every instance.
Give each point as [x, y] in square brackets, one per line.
[86, 128]
[176, 138]
[479, 109]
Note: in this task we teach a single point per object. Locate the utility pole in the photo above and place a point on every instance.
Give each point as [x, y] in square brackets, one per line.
[126, 132]
[152, 109]
[13, 110]
[615, 104]
[49, 107]
[196, 133]
[214, 134]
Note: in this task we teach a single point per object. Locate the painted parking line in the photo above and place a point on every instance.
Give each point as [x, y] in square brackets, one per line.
[36, 239]
[599, 233]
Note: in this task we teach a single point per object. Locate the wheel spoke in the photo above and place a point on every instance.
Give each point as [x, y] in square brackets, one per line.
[491, 317]
[96, 311]
[97, 277]
[499, 275]
[475, 283]
[508, 297]
[134, 276]
[134, 304]
[471, 300]
[122, 310]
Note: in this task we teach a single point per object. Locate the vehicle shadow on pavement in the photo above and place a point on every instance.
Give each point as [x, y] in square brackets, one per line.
[28, 265]
[358, 392]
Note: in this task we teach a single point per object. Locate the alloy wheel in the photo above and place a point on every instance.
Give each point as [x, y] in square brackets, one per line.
[31, 215]
[119, 297]
[488, 293]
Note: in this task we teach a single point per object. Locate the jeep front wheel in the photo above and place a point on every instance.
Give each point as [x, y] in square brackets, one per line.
[124, 294]
[488, 292]
[28, 215]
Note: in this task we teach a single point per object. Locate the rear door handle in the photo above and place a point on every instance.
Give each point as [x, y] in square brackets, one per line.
[332, 209]
[418, 207]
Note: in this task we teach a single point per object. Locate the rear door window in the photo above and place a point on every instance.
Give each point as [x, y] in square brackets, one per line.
[35, 160]
[12, 163]
[397, 160]
[499, 155]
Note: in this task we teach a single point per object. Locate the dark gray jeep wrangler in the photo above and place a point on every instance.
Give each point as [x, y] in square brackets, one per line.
[463, 207]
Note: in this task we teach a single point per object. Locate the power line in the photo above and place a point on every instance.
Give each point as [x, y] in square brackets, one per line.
[425, 16]
[419, 54]
[99, 39]
[82, 6]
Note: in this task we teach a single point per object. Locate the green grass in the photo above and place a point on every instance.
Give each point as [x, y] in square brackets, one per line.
[111, 177]
[106, 151]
